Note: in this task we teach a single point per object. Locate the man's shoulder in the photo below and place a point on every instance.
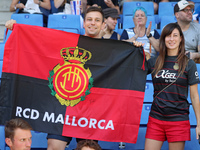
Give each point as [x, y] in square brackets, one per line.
[195, 25]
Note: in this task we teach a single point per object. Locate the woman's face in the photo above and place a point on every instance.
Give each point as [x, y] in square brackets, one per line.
[111, 23]
[139, 18]
[173, 40]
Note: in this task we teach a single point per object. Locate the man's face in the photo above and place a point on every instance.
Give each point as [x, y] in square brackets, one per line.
[93, 24]
[185, 15]
[21, 141]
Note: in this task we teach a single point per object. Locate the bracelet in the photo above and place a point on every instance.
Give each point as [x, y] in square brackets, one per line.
[15, 7]
[150, 35]
[135, 37]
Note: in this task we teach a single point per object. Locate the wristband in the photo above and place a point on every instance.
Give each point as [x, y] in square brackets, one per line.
[150, 35]
[15, 7]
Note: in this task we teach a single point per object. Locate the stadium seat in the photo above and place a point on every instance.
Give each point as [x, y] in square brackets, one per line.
[39, 140]
[145, 114]
[2, 138]
[192, 117]
[128, 22]
[166, 9]
[6, 35]
[166, 20]
[1, 51]
[30, 19]
[148, 97]
[69, 23]
[128, 8]
[193, 144]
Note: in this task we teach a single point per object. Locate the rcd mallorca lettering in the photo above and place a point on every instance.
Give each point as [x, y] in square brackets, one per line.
[165, 74]
[27, 113]
[81, 122]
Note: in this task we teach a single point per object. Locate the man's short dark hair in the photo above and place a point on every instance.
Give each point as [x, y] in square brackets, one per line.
[94, 9]
[14, 124]
[88, 143]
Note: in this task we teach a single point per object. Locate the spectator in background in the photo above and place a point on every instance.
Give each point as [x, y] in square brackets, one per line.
[88, 145]
[141, 33]
[196, 14]
[60, 5]
[110, 19]
[104, 4]
[183, 12]
[18, 134]
[43, 5]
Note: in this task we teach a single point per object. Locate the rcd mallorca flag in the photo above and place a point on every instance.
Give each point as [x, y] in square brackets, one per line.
[71, 85]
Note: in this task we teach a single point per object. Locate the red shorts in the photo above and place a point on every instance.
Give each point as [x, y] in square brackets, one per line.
[172, 131]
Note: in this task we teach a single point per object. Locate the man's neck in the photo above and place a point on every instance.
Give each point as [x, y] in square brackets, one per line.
[95, 37]
[184, 25]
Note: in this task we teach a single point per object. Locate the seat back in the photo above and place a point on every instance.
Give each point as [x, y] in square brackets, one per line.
[128, 7]
[30, 19]
[69, 23]
[166, 20]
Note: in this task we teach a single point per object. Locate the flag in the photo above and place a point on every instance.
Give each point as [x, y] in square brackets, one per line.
[71, 85]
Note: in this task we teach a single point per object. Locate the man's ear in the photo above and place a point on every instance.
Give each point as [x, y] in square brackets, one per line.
[8, 142]
[103, 25]
[176, 15]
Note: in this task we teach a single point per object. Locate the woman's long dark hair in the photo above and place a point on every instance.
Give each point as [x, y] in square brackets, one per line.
[182, 59]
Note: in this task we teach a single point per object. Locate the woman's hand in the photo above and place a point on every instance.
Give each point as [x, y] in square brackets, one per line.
[149, 29]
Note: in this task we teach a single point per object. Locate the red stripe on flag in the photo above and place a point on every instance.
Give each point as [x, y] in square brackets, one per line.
[30, 51]
[108, 116]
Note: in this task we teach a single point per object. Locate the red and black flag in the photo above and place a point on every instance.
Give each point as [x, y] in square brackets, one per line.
[71, 85]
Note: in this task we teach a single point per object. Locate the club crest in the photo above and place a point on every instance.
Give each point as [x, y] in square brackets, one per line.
[70, 83]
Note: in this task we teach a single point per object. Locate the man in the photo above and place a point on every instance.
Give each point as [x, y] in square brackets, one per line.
[93, 24]
[183, 12]
[18, 134]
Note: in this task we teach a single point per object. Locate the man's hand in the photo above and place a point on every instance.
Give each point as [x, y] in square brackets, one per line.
[9, 24]
[109, 3]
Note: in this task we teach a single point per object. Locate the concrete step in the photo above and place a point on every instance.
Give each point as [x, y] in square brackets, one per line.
[4, 16]
[5, 5]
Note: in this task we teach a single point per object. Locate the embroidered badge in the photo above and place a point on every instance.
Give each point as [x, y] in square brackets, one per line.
[70, 83]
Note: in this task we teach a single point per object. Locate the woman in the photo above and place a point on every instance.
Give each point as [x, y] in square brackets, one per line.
[60, 5]
[172, 74]
[141, 33]
[110, 19]
[44, 6]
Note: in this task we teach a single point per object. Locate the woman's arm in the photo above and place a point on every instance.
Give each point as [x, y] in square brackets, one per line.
[196, 106]
[58, 3]
[16, 5]
[45, 3]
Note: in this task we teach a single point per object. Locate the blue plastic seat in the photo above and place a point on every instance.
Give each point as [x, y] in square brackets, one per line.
[1, 51]
[148, 97]
[30, 19]
[39, 140]
[166, 8]
[166, 20]
[128, 22]
[69, 23]
[2, 138]
[128, 8]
